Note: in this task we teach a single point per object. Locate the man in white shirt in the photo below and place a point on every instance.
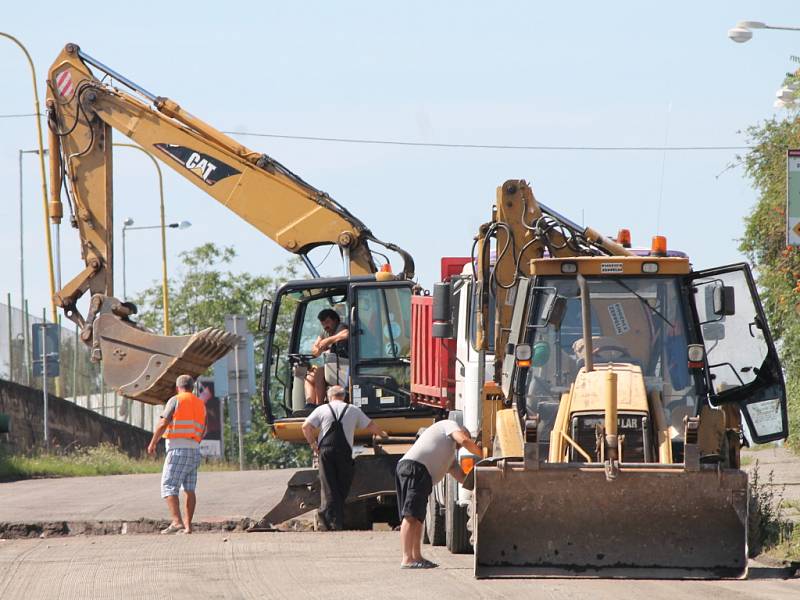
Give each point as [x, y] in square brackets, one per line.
[337, 422]
[426, 463]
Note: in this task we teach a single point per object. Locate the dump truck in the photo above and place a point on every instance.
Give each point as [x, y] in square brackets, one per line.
[612, 389]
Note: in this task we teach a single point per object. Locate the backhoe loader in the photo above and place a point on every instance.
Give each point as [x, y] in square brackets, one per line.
[611, 415]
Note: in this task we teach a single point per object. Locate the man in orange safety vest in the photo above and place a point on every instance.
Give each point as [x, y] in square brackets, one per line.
[183, 424]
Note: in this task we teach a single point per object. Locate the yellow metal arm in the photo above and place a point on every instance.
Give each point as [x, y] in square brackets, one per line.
[82, 111]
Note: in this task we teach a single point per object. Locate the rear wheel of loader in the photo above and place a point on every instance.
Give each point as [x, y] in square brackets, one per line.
[455, 520]
[434, 519]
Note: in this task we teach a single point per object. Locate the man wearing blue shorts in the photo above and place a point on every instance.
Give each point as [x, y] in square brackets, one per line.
[183, 424]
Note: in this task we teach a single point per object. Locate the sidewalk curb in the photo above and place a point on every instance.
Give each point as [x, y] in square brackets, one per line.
[48, 529]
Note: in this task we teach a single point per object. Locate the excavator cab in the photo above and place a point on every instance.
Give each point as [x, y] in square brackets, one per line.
[627, 381]
[374, 368]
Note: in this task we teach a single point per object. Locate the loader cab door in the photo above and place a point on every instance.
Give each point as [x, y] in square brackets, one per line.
[741, 360]
[380, 346]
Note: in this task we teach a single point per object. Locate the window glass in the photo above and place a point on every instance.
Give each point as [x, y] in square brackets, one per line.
[735, 344]
[311, 327]
[384, 320]
[635, 320]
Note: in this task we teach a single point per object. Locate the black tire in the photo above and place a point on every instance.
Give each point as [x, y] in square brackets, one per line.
[434, 521]
[457, 536]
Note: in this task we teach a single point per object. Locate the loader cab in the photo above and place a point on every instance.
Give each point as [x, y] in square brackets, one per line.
[373, 365]
[646, 313]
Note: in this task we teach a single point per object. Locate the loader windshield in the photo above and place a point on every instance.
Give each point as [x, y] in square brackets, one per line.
[636, 320]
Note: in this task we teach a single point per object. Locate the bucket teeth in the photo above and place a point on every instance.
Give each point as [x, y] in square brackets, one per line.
[143, 366]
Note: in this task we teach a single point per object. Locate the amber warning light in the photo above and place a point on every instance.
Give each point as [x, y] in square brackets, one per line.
[659, 246]
[624, 238]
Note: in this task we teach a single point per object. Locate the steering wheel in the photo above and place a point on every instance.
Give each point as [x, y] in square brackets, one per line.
[299, 359]
[602, 349]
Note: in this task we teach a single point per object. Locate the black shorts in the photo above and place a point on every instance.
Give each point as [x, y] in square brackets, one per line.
[414, 485]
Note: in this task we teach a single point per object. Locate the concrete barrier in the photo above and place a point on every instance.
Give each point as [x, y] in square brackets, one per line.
[69, 425]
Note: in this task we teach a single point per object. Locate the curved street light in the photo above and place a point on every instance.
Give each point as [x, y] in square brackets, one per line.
[37, 113]
[163, 226]
[743, 31]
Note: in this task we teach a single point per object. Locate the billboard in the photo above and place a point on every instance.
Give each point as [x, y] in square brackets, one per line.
[793, 197]
[212, 443]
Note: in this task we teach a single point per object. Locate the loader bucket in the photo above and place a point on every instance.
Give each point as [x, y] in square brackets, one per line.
[567, 520]
[143, 366]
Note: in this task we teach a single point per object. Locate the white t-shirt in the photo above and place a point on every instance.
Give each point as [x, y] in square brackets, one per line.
[436, 449]
[353, 419]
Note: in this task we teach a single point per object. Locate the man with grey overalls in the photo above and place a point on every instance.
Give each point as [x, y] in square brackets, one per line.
[333, 446]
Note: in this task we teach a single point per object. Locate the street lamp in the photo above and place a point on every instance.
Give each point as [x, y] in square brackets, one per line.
[37, 112]
[127, 226]
[165, 286]
[743, 31]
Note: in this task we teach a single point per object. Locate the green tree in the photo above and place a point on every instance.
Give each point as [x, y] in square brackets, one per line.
[202, 293]
[764, 242]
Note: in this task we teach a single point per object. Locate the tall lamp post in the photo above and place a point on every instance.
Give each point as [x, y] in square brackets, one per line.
[163, 226]
[37, 112]
[126, 226]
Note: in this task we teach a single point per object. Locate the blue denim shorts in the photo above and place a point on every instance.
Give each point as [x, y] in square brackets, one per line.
[180, 470]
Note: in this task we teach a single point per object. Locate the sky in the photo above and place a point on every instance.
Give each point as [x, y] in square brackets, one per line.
[633, 73]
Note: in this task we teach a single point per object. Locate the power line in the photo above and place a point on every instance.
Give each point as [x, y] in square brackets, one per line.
[488, 146]
[311, 138]
[21, 115]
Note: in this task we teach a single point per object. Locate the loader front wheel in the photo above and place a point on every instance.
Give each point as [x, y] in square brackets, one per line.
[455, 520]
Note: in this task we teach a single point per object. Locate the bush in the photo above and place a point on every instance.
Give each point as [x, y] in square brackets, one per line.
[766, 527]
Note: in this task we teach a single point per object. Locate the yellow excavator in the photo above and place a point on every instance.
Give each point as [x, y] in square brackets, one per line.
[612, 413]
[82, 112]
[83, 109]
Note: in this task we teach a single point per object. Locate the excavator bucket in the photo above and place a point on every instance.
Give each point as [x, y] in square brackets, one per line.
[567, 520]
[143, 366]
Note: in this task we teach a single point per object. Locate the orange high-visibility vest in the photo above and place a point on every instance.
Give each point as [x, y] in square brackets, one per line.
[189, 418]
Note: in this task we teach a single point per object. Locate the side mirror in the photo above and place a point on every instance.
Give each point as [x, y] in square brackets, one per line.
[442, 311]
[555, 311]
[263, 315]
[724, 304]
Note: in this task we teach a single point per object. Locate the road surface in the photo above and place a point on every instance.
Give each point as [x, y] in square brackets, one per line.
[297, 565]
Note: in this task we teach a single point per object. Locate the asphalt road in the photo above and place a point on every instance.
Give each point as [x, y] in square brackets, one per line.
[301, 565]
[221, 495]
[278, 565]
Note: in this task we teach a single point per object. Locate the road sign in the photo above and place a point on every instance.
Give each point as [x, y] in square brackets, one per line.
[793, 198]
[51, 350]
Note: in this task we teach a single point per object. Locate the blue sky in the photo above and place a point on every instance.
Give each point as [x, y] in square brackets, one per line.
[525, 73]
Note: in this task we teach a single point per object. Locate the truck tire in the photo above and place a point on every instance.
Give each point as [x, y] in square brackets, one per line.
[434, 521]
[457, 536]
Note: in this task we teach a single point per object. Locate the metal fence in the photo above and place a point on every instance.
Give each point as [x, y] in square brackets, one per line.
[80, 380]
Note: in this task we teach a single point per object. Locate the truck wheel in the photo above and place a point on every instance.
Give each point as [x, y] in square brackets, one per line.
[455, 520]
[434, 521]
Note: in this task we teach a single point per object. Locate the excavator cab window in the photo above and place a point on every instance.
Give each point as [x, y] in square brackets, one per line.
[742, 363]
[296, 327]
[380, 342]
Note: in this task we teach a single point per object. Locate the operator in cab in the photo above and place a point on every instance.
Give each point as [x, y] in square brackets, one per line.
[332, 346]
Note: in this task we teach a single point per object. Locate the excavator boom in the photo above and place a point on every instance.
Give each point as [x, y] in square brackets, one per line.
[82, 112]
